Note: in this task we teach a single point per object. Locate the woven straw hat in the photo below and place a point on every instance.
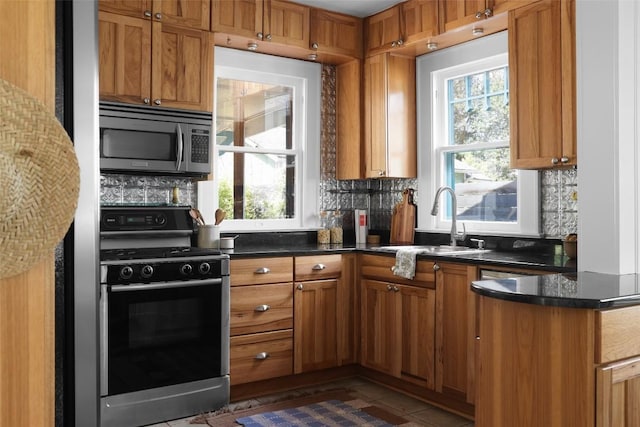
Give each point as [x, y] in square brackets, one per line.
[39, 181]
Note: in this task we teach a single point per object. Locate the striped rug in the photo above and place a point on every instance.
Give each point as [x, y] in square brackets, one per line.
[331, 413]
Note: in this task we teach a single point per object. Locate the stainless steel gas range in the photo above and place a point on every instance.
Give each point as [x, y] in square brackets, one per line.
[164, 318]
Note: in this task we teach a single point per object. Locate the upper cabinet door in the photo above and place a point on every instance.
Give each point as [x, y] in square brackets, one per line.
[383, 31]
[420, 18]
[134, 8]
[542, 81]
[286, 23]
[239, 17]
[186, 13]
[456, 13]
[335, 33]
[125, 58]
[181, 76]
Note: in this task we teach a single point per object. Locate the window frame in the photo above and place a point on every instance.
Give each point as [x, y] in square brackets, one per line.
[431, 173]
[305, 78]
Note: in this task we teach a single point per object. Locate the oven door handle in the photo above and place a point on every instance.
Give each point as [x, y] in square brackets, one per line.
[164, 285]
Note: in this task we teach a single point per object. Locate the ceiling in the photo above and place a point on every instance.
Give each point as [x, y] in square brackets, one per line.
[361, 8]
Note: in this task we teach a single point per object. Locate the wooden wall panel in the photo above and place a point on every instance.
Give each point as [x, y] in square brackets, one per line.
[27, 59]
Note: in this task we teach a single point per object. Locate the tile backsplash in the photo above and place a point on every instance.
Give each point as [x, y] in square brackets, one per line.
[559, 188]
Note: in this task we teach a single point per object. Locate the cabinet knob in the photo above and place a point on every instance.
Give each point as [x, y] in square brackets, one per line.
[394, 43]
[564, 159]
[157, 102]
[146, 101]
[318, 267]
[479, 14]
[488, 12]
[395, 288]
[300, 287]
[314, 45]
[399, 42]
[389, 287]
[262, 308]
[260, 36]
[147, 14]
[158, 16]
[554, 160]
[381, 173]
[263, 270]
[262, 356]
[268, 38]
[436, 267]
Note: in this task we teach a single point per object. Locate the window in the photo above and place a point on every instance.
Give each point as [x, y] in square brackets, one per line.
[266, 168]
[463, 93]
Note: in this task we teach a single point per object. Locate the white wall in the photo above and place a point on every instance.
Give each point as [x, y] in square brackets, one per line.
[607, 117]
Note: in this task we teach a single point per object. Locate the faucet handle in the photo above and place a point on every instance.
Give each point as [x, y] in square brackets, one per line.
[463, 235]
[480, 243]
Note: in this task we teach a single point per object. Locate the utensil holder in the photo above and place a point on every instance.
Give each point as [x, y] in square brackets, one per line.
[209, 236]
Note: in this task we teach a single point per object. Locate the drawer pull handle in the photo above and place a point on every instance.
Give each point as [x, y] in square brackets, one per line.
[262, 356]
[262, 308]
[263, 270]
[319, 267]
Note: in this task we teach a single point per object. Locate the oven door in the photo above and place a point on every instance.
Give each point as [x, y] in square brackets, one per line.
[161, 334]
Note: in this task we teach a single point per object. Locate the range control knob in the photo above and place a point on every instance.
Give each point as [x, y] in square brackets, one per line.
[147, 271]
[126, 272]
[160, 219]
[186, 269]
[204, 268]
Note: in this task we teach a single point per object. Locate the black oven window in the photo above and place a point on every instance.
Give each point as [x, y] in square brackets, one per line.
[163, 337]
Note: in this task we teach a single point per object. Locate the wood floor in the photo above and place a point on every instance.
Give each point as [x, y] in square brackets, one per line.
[420, 413]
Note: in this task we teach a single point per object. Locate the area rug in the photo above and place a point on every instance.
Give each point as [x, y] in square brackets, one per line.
[227, 418]
[331, 413]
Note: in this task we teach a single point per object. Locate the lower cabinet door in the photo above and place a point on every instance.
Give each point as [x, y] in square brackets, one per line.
[618, 394]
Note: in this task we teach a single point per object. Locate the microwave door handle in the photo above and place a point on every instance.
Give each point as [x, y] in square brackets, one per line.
[180, 147]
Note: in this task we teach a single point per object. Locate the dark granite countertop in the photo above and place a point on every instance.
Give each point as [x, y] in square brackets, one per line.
[576, 290]
[532, 260]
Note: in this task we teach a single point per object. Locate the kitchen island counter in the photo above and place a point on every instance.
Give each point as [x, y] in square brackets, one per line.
[577, 290]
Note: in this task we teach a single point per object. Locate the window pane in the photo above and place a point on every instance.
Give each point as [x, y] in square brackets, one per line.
[256, 186]
[253, 114]
[483, 115]
[485, 187]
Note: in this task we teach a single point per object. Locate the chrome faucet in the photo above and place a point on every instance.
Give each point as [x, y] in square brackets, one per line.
[454, 206]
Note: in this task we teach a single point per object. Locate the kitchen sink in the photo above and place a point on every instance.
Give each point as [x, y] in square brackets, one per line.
[432, 249]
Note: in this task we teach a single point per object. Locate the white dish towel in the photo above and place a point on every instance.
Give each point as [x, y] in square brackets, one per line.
[406, 262]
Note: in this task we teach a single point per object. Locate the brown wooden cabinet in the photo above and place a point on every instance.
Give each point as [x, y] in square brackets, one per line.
[335, 37]
[315, 312]
[398, 321]
[383, 31]
[390, 116]
[186, 13]
[261, 325]
[420, 20]
[618, 394]
[455, 330]
[542, 78]
[349, 126]
[281, 22]
[458, 13]
[153, 63]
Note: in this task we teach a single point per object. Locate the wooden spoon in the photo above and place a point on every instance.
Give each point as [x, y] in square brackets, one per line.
[220, 214]
[195, 214]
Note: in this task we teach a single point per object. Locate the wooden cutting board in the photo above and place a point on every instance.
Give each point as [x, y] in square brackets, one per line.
[403, 219]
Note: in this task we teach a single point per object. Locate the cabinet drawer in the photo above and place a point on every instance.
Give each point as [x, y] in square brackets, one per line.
[261, 308]
[318, 267]
[255, 271]
[261, 356]
[379, 267]
[617, 334]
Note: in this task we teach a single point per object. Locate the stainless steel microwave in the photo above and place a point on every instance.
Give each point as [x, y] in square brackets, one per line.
[153, 140]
